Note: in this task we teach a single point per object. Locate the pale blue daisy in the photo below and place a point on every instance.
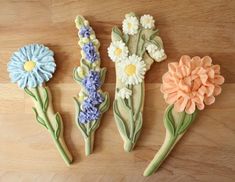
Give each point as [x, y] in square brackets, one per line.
[31, 66]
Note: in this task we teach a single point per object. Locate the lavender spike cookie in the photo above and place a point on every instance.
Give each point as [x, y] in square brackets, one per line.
[91, 102]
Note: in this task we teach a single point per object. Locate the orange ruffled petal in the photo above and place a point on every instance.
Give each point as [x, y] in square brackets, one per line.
[191, 83]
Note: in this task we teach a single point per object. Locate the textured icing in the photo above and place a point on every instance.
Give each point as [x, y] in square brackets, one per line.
[187, 86]
[132, 59]
[51, 121]
[176, 124]
[191, 83]
[92, 102]
[31, 65]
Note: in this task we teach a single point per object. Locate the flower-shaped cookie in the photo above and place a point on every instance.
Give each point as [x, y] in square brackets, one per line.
[133, 51]
[187, 86]
[31, 66]
[92, 102]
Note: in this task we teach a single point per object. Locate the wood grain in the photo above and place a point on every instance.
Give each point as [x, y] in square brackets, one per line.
[206, 152]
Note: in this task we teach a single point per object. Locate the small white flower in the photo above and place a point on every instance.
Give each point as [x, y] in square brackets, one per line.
[147, 21]
[131, 71]
[130, 25]
[156, 53]
[124, 93]
[117, 51]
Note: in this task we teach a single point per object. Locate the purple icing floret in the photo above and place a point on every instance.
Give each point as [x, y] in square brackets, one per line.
[92, 81]
[90, 52]
[93, 100]
[85, 31]
[96, 98]
[89, 115]
[90, 105]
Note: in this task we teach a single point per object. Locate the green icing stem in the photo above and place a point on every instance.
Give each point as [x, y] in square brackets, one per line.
[130, 102]
[89, 142]
[160, 156]
[176, 125]
[47, 124]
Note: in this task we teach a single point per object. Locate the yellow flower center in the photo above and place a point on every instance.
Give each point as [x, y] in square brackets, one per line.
[29, 65]
[130, 69]
[118, 51]
[129, 25]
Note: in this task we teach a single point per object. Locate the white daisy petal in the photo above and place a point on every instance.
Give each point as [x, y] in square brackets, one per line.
[130, 25]
[156, 53]
[117, 51]
[124, 93]
[131, 71]
[147, 21]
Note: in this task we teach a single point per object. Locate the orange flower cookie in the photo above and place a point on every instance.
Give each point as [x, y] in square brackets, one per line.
[188, 86]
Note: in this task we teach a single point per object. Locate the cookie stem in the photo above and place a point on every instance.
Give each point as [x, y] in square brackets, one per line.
[160, 156]
[88, 146]
[176, 124]
[128, 145]
[65, 155]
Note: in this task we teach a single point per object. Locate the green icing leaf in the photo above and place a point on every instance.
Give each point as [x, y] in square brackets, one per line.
[116, 34]
[79, 20]
[126, 38]
[46, 102]
[141, 100]
[77, 105]
[57, 129]
[169, 120]
[105, 104]
[76, 77]
[30, 93]
[95, 125]
[120, 122]
[38, 118]
[102, 75]
[123, 102]
[188, 119]
[138, 126]
[156, 43]
[80, 125]
[85, 66]
[154, 34]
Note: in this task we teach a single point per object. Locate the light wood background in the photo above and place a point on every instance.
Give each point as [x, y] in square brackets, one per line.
[205, 153]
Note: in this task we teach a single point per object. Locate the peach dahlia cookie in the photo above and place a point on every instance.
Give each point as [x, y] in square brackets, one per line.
[188, 86]
[133, 50]
[91, 101]
[31, 67]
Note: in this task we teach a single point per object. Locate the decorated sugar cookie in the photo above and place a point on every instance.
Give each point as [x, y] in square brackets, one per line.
[133, 50]
[31, 67]
[188, 86]
[91, 102]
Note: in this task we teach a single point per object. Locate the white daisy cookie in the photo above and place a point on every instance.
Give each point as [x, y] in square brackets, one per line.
[133, 50]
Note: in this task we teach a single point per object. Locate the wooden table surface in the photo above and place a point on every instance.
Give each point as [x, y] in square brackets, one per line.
[205, 153]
